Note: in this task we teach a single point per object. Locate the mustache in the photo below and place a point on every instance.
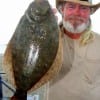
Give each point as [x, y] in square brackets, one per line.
[76, 17]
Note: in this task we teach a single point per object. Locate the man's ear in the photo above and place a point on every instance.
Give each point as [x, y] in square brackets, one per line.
[92, 10]
[61, 9]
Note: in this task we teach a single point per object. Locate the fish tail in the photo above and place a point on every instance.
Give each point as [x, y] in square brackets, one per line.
[19, 95]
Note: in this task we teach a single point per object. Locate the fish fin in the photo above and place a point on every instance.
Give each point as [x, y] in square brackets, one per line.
[7, 65]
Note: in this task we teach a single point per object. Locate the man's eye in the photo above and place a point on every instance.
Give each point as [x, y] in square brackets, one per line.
[84, 7]
[71, 6]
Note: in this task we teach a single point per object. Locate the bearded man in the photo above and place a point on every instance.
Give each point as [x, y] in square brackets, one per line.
[79, 77]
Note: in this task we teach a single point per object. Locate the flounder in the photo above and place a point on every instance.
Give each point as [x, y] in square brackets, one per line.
[34, 53]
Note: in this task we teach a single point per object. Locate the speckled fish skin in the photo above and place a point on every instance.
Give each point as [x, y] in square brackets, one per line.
[34, 44]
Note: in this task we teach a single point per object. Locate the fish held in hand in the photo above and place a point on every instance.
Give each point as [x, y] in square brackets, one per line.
[32, 52]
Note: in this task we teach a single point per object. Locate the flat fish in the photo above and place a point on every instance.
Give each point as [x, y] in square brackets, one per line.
[32, 54]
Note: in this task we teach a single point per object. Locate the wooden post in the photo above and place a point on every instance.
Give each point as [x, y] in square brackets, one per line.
[1, 95]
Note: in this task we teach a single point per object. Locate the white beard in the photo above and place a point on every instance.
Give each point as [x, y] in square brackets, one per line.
[79, 29]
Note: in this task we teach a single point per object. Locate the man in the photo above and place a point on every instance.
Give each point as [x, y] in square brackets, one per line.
[79, 78]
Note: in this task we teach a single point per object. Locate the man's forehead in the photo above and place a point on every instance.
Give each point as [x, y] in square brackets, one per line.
[73, 3]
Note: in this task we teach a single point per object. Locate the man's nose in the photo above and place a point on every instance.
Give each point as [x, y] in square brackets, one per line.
[77, 11]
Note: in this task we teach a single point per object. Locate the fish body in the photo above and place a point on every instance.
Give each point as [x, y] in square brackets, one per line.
[33, 46]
